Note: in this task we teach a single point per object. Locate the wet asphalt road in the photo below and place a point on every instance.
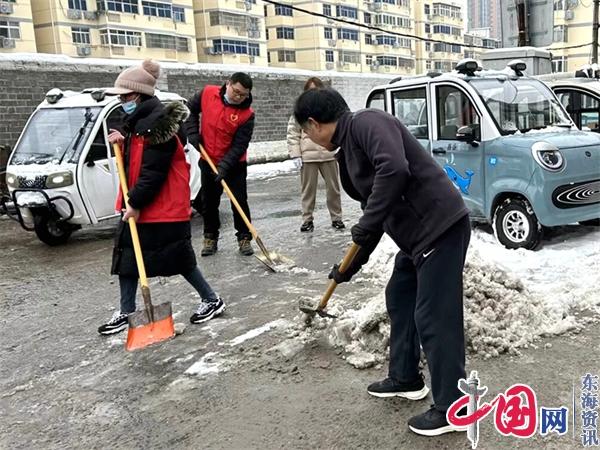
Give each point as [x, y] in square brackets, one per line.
[64, 386]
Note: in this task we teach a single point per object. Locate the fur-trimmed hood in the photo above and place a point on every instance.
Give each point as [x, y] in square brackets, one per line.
[157, 122]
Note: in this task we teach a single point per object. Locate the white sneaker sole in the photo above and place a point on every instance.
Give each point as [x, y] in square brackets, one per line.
[437, 431]
[114, 330]
[218, 312]
[413, 395]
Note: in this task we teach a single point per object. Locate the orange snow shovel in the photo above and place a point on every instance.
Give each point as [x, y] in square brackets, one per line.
[308, 307]
[269, 259]
[155, 323]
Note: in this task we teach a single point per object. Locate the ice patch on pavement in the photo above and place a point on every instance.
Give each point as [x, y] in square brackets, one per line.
[269, 170]
[206, 365]
[257, 332]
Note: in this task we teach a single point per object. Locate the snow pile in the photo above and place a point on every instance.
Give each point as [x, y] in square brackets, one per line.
[502, 311]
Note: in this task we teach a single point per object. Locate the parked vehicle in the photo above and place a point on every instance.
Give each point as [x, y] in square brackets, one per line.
[62, 173]
[506, 142]
[579, 94]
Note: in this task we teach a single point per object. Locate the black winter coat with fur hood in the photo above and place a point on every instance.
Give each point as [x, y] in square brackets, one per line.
[166, 247]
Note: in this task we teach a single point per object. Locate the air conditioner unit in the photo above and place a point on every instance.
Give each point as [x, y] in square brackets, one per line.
[569, 14]
[329, 66]
[396, 44]
[376, 6]
[428, 35]
[429, 17]
[330, 21]
[73, 14]
[332, 42]
[6, 8]
[251, 59]
[84, 50]
[371, 6]
[431, 54]
[90, 15]
[248, 5]
[7, 43]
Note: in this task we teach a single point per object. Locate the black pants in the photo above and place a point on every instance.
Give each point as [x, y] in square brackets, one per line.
[424, 299]
[210, 198]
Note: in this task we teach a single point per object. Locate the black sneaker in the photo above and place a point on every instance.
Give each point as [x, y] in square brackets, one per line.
[210, 245]
[307, 226]
[432, 423]
[207, 309]
[116, 324]
[389, 388]
[338, 225]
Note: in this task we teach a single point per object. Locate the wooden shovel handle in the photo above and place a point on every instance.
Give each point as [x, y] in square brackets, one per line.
[348, 258]
[132, 225]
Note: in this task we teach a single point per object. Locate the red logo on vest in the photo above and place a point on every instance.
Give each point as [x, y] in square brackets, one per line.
[233, 117]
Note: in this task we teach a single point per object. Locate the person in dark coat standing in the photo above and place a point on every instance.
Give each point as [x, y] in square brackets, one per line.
[222, 120]
[158, 178]
[406, 194]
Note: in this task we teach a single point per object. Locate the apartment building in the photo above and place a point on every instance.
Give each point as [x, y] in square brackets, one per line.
[297, 39]
[16, 26]
[230, 32]
[474, 42]
[132, 29]
[484, 15]
[572, 26]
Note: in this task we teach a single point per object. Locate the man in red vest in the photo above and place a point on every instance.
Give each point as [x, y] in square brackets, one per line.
[222, 120]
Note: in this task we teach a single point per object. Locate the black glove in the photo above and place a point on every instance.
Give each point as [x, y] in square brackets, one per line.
[222, 170]
[341, 277]
[365, 238]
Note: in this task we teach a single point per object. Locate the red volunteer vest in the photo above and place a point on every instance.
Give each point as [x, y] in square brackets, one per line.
[219, 122]
[172, 203]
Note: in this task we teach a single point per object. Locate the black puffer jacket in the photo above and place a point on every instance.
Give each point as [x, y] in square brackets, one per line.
[166, 247]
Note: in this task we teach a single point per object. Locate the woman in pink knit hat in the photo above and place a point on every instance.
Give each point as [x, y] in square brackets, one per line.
[158, 177]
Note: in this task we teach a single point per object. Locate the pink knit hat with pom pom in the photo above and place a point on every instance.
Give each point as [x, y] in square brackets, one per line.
[140, 79]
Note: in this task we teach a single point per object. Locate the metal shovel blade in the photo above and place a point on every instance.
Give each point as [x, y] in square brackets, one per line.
[274, 260]
[150, 327]
[311, 308]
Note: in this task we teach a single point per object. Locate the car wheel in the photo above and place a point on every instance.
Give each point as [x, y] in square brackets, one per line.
[516, 225]
[49, 231]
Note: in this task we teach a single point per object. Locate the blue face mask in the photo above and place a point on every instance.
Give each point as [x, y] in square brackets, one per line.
[227, 99]
[129, 106]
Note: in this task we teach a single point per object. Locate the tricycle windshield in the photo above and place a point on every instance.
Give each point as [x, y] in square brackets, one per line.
[54, 135]
[520, 104]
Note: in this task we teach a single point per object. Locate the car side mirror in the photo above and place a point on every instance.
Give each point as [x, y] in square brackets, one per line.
[467, 134]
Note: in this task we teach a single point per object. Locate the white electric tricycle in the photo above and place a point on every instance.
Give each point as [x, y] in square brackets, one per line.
[62, 173]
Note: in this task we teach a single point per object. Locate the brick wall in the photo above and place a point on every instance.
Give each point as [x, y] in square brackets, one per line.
[25, 80]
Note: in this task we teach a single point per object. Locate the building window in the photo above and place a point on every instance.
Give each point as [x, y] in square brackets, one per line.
[428, 64]
[441, 9]
[10, 29]
[403, 22]
[78, 4]
[269, 57]
[387, 61]
[328, 33]
[390, 2]
[327, 10]
[427, 28]
[267, 34]
[121, 37]
[559, 5]
[368, 39]
[235, 46]
[427, 46]
[404, 3]
[228, 19]
[559, 64]
[369, 60]
[283, 11]
[329, 56]
[178, 14]
[346, 11]
[156, 9]
[426, 9]
[446, 29]
[346, 57]
[367, 18]
[126, 6]
[155, 40]
[560, 33]
[285, 33]
[404, 42]
[386, 19]
[385, 39]
[286, 56]
[80, 35]
[347, 34]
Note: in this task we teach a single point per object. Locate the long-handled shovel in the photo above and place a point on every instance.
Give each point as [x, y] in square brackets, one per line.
[155, 323]
[308, 307]
[269, 259]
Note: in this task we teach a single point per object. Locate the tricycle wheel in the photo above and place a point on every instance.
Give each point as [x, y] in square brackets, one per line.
[516, 225]
[49, 230]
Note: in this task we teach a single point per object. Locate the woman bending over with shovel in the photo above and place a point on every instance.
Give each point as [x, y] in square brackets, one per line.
[159, 196]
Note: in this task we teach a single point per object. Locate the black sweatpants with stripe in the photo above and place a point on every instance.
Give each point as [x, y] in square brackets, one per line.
[424, 299]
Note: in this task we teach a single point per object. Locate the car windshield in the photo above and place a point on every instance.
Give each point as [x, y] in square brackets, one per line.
[53, 134]
[521, 104]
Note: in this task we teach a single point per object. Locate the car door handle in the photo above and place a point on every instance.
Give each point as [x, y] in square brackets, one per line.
[439, 151]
